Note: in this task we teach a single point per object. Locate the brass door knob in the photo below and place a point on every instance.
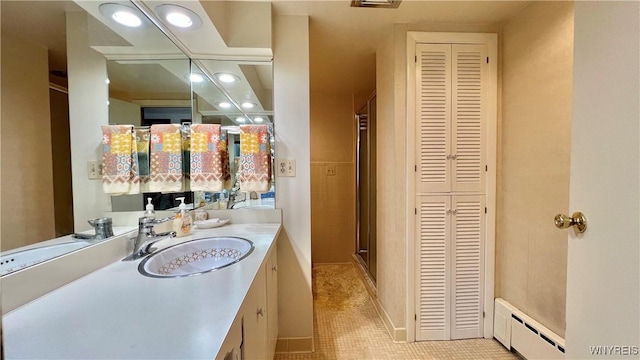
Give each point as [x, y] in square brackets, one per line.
[577, 220]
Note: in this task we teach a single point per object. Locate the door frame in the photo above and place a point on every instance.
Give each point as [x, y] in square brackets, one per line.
[491, 40]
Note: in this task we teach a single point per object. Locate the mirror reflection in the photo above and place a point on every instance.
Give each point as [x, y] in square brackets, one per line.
[55, 63]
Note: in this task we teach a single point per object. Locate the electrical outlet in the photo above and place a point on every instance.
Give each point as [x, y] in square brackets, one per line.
[286, 168]
[94, 169]
[330, 170]
[282, 167]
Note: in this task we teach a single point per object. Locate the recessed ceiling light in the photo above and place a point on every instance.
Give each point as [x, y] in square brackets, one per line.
[240, 119]
[121, 14]
[248, 105]
[179, 20]
[389, 4]
[196, 78]
[227, 78]
[179, 16]
[224, 105]
[258, 119]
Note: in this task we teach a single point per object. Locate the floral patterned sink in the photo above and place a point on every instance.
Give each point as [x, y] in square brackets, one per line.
[196, 257]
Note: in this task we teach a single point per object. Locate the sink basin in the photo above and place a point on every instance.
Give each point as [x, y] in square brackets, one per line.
[196, 257]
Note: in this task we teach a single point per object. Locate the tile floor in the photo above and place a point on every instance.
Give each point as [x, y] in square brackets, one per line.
[346, 326]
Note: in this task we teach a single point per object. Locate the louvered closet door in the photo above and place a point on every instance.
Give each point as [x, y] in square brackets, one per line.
[433, 118]
[467, 266]
[468, 163]
[433, 295]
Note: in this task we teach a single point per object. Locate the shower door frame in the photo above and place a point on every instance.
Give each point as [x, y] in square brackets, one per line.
[364, 256]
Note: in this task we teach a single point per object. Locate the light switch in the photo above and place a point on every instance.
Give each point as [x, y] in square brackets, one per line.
[330, 170]
[291, 168]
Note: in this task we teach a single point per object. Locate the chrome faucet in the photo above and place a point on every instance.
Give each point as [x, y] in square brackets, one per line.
[233, 199]
[102, 227]
[146, 233]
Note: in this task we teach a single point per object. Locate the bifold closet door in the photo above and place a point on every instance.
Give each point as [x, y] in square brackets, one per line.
[467, 266]
[450, 235]
[450, 124]
[469, 73]
[433, 298]
[433, 118]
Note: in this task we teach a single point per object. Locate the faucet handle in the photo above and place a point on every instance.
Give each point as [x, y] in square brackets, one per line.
[150, 221]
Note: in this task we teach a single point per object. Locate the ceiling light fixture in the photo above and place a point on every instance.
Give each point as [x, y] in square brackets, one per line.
[240, 119]
[196, 78]
[227, 78]
[179, 16]
[122, 14]
[258, 119]
[224, 105]
[389, 4]
[248, 105]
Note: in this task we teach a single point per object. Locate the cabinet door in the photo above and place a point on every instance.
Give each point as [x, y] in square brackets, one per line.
[433, 295]
[272, 303]
[433, 118]
[230, 349]
[450, 235]
[469, 75]
[254, 320]
[467, 266]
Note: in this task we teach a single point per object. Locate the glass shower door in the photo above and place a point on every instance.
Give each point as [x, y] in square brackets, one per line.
[366, 187]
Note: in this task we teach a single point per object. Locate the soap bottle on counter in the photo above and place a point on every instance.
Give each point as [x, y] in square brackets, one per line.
[182, 222]
[223, 199]
[150, 211]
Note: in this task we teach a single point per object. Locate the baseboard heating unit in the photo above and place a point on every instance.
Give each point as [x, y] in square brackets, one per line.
[515, 330]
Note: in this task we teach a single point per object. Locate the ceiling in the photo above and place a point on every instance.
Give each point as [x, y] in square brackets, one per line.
[343, 40]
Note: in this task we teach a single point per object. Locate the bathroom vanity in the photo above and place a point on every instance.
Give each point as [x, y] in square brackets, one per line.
[116, 312]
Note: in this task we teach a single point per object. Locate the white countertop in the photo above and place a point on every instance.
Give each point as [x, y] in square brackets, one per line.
[117, 313]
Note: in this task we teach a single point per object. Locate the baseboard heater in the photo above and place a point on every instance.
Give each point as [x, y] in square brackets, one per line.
[515, 330]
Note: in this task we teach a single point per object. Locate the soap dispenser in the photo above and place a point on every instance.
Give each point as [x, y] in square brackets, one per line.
[222, 202]
[150, 211]
[182, 222]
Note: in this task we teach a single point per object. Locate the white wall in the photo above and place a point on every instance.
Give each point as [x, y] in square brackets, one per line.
[88, 111]
[291, 106]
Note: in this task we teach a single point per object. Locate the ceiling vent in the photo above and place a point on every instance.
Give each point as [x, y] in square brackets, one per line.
[390, 4]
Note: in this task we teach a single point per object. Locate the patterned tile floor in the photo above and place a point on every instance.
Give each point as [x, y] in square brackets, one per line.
[346, 326]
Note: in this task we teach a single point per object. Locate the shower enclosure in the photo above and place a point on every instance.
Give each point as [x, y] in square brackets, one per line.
[366, 187]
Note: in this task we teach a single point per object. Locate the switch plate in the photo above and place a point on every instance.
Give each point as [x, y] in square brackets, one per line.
[330, 170]
[286, 168]
[291, 168]
[94, 169]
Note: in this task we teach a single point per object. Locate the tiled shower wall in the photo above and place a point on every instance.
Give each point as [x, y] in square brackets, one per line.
[333, 196]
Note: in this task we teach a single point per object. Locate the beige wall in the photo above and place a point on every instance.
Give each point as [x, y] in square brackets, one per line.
[533, 182]
[390, 192]
[333, 197]
[88, 111]
[27, 190]
[61, 159]
[391, 151]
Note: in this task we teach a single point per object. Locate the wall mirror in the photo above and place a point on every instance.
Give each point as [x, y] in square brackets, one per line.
[147, 79]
